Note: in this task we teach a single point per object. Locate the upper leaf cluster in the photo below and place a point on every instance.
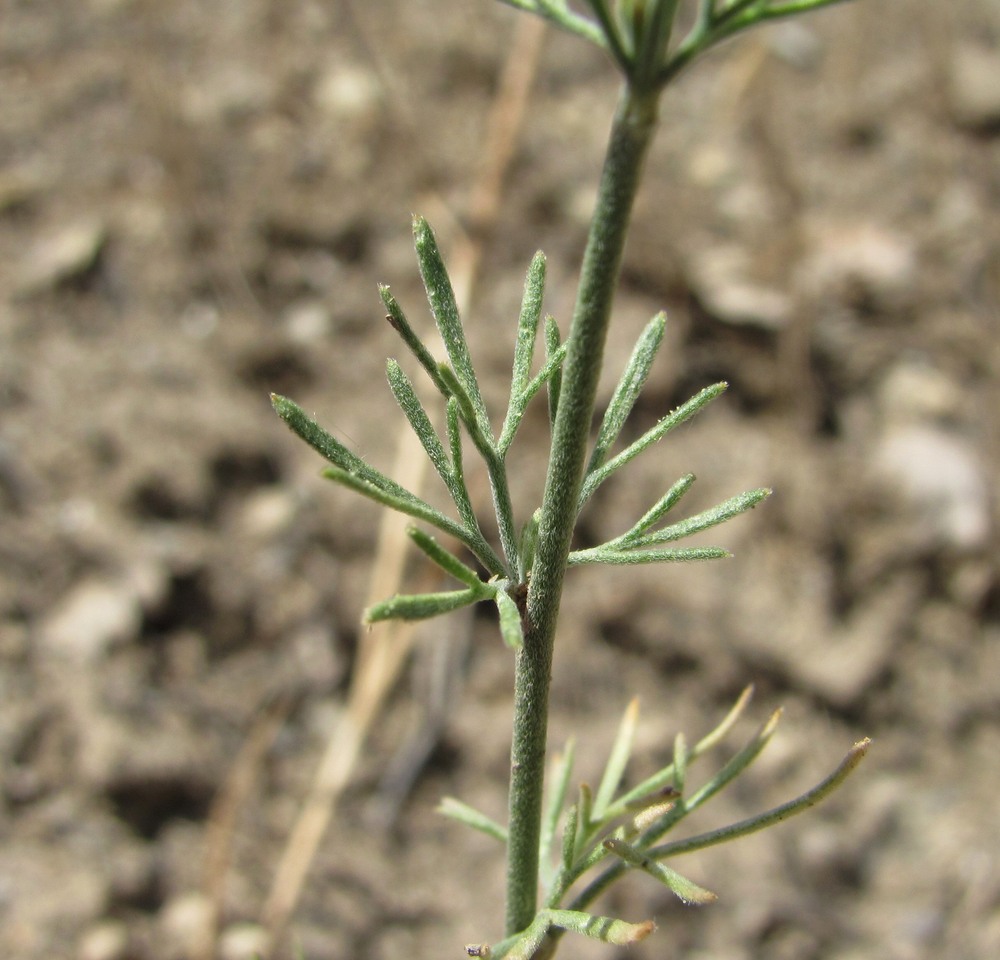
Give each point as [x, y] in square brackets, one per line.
[506, 573]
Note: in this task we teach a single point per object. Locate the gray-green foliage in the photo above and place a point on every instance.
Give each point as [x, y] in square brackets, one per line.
[615, 829]
[504, 572]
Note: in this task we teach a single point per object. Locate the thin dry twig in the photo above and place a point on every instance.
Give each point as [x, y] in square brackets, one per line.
[224, 816]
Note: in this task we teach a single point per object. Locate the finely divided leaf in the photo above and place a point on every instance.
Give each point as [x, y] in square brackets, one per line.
[617, 761]
[632, 557]
[411, 406]
[562, 770]
[397, 319]
[629, 387]
[510, 620]
[686, 890]
[418, 509]
[663, 779]
[553, 340]
[333, 450]
[527, 324]
[720, 513]
[444, 307]
[421, 606]
[659, 509]
[446, 560]
[471, 817]
[676, 417]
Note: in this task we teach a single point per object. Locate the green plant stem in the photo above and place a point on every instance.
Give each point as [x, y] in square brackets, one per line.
[631, 133]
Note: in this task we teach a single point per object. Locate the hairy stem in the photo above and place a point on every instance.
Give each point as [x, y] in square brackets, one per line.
[631, 133]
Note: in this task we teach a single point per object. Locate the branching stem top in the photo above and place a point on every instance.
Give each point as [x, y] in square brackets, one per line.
[637, 34]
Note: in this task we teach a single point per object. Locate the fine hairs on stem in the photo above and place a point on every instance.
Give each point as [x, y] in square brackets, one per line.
[564, 851]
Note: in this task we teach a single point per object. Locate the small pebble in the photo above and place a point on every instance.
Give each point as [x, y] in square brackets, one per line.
[230, 93]
[243, 941]
[106, 940]
[718, 278]
[20, 187]
[96, 616]
[973, 88]
[183, 922]
[268, 513]
[307, 322]
[65, 255]
[860, 262]
[918, 391]
[939, 477]
[347, 92]
[796, 44]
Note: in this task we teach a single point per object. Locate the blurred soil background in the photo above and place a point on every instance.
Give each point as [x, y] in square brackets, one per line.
[197, 200]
